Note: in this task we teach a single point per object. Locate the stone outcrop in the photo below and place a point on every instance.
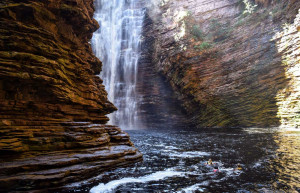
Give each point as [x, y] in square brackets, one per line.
[223, 59]
[61, 154]
[53, 107]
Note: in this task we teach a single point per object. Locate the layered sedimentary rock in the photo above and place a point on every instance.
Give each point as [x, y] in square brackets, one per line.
[53, 107]
[231, 63]
[158, 107]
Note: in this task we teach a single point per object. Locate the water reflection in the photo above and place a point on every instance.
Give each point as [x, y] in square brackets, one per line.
[286, 164]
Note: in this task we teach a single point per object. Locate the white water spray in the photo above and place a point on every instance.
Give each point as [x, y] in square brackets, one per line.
[111, 186]
[117, 44]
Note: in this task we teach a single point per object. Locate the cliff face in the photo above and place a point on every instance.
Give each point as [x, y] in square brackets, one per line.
[159, 107]
[47, 63]
[53, 106]
[232, 63]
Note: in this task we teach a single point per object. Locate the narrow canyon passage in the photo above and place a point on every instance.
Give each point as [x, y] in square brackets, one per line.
[175, 160]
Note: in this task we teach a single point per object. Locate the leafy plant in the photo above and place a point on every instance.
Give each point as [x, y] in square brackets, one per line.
[196, 32]
[249, 7]
[203, 46]
[215, 25]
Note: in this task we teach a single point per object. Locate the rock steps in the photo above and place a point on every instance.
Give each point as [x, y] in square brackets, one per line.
[49, 156]
[74, 172]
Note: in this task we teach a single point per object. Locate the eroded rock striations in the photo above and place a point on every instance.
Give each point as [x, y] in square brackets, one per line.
[232, 63]
[159, 107]
[53, 107]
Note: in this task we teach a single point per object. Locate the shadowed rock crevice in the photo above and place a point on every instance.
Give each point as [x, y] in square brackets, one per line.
[159, 107]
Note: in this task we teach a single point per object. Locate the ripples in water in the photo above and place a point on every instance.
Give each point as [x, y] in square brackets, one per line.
[175, 161]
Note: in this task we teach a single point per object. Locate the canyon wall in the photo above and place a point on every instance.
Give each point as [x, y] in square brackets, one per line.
[158, 106]
[53, 107]
[231, 63]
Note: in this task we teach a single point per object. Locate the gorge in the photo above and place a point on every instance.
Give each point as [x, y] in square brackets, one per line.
[188, 80]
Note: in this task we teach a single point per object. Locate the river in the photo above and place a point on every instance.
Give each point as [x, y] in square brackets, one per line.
[175, 161]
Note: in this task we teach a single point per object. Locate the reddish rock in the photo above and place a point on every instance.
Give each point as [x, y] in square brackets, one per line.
[52, 104]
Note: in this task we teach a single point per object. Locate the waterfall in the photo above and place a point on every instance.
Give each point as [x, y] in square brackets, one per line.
[117, 45]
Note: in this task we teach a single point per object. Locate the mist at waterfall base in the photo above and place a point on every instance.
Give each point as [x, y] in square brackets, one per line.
[175, 161]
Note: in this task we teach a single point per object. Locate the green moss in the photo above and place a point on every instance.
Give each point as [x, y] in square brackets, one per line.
[27, 57]
[10, 5]
[197, 33]
[203, 46]
[219, 31]
[63, 61]
[4, 54]
[215, 25]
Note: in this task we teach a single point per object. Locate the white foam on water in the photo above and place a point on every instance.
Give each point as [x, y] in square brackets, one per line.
[147, 144]
[270, 130]
[230, 172]
[171, 147]
[285, 128]
[192, 189]
[109, 187]
[159, 145]
[260, 130]
[292, 135]
[257, 164]
[188, 154]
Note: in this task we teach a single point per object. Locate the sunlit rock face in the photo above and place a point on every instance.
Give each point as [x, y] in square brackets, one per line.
[52, 104]
[288, 99]
[223, 61]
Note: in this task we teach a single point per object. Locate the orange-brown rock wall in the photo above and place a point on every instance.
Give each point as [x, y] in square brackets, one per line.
[47, 65]
[53, 106]
[223, 60]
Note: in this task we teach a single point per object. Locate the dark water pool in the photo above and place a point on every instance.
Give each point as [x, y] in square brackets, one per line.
[174, 161]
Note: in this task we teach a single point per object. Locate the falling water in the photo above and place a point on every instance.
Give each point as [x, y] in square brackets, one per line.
[117, 44]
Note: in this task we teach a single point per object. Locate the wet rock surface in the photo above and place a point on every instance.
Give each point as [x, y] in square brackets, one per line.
[53, 107]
